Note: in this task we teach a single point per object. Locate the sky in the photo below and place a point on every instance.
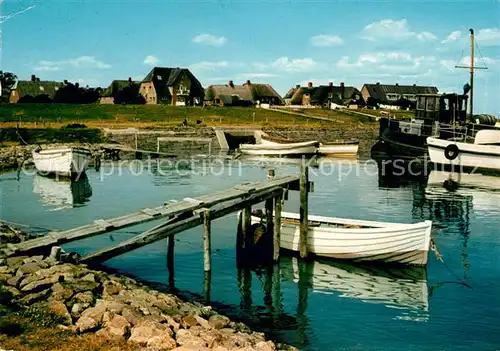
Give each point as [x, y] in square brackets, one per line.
[279, 42]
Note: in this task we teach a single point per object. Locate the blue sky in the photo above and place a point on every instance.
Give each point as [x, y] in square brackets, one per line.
[278, 42]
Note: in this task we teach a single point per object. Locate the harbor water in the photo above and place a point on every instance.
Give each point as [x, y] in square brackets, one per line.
[316, 305]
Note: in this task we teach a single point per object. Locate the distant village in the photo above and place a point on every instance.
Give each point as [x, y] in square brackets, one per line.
[180, 87]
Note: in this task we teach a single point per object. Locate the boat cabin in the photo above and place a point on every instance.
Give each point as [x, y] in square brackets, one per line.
[442, 108]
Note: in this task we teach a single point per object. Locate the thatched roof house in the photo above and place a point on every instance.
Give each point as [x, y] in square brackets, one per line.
[173, 86]
[247, 94]
[34, 89]
[390, 94]
[322, 95]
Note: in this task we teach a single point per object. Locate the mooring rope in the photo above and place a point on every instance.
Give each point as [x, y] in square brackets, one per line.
[440, 258]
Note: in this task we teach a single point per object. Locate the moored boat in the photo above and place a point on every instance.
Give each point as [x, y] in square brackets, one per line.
[66, 162]
[358, 240]
[270, 148]
[483, 154]
[63, 193]
[339, 149]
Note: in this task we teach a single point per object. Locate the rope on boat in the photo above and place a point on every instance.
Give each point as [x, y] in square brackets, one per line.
[440, 258]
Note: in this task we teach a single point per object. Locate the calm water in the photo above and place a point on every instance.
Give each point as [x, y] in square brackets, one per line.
[320, 305]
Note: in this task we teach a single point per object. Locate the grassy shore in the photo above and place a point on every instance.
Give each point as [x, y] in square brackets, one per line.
[149, 116]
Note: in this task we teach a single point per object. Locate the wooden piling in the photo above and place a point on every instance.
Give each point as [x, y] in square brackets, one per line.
[207, 246]
[277, 226]
[170, 255]
[304, 204]
[246, 223]
[207, 286]
[269, 216]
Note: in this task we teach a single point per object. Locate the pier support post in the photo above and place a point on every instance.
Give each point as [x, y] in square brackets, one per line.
[170, 257]
[277, 226]
[304, 208]
[269, 217]
[246, 223]
[207, 245]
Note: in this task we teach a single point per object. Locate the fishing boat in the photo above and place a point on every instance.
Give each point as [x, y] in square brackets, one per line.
[66, 162]
[339, 149]
[483, 154]
[403, 289]
[275, 147]
[436, 115]
[358, 240]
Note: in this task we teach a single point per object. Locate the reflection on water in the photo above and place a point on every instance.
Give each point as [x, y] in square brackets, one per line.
[402, 288]
[62, 193]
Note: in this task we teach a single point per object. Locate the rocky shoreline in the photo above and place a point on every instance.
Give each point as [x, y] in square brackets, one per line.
[115, 309]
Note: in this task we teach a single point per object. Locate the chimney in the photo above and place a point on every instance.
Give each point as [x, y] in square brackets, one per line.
[330, 84]
[397, 84]
[248, 82]
[297, 86]
[66, 82]
[342, 90]
[33, 78]
[231, 84]
[414, 85]
[378, 83]
[310, 85]
[129, 80]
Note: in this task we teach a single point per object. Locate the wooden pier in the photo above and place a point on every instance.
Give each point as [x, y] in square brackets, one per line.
[189, 213]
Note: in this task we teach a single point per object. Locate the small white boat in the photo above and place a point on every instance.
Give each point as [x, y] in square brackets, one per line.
[358, 240]
[271, 148]
[339, 149]
[483, 154]
[66, 162]
[403, 289]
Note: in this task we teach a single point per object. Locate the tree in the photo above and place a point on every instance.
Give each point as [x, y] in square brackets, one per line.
[7, 81]
[372, 102]
[129, 95]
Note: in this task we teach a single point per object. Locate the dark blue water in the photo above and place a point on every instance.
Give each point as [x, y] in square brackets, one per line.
[321, 305]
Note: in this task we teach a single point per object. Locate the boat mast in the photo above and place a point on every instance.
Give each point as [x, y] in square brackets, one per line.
[471, 67]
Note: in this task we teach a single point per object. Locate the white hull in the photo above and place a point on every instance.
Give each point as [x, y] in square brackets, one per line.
[64, 161]
[338, 149]
[470, 155]
[359, 240]
[403, 289]
[269, 148]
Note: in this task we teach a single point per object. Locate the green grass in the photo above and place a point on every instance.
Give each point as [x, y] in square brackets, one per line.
[61, 113]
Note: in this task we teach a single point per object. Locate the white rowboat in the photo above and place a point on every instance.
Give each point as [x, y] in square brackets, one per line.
[346, 149]
[358, 240]
[64, 162]
[483, 154]
[62, 194]
[270, 148]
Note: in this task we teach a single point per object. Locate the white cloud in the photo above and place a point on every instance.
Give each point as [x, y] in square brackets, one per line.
[209, 39]
[326, 40]
[151, 60]
[400, 65]
[255, 75]
[453, 36]
[209, 65]
[79, 62]
[488, 36]
[289, 65]
[394, 29]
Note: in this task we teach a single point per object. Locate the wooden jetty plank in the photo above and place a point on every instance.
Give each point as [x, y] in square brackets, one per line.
[165, 211]
[175, 226]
